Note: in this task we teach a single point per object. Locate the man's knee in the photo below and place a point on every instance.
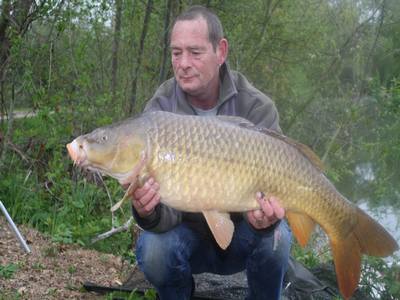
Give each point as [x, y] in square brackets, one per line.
[149, 255]
[275, 247]
[162, 257]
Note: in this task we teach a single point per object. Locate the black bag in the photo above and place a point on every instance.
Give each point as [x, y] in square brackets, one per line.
[301, 284]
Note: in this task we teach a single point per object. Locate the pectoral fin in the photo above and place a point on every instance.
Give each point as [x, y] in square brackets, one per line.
[221, 227]
[135, 180]
[127, 194]
[302, 226]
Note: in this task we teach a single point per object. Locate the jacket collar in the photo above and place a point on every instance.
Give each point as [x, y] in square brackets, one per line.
[227, 91]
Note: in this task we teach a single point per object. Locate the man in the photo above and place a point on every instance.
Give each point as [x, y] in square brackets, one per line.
[176, 244]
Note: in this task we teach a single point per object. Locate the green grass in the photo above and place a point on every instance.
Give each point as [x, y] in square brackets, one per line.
[8, 271]
[149, 295]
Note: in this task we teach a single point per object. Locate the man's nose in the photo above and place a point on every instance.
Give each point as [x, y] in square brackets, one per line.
[185, 61]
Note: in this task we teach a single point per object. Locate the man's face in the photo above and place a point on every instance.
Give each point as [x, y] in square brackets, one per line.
[195, 63]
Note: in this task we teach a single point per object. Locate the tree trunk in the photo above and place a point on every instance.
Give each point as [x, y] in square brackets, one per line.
[132, 104]
[115, 49]
[164, 58]
[4, 39]
[7, 136]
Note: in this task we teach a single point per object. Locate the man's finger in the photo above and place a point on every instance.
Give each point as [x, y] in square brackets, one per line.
[266, 207]
[258, 214]
[142, 191]
[277, 208]
[260, 196]
[137, 205]
[146, 198]
[149, 207]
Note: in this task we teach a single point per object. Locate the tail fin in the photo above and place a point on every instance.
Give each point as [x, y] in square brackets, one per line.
[373, 238]
[368, 237]
[347, 258]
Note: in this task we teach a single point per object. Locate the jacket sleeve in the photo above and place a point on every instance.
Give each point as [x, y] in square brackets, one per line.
[162, 219]
[254, 105]
[264, 114]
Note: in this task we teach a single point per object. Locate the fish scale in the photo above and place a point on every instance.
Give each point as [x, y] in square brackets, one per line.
[199, 165]
[216, 165]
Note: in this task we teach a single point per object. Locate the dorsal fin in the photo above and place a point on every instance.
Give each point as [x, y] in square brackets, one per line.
[304, 149]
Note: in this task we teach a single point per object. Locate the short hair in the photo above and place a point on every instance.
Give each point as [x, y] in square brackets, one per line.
[215, 30]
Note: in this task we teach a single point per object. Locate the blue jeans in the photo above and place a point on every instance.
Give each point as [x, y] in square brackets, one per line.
[169, 259]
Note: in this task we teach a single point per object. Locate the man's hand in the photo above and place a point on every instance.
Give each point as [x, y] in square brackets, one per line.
[146, 198]
[269, 213]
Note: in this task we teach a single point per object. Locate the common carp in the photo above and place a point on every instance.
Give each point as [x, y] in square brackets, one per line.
[216, 165]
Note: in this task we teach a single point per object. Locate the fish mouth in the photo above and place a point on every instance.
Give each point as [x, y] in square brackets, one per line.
[77, 153]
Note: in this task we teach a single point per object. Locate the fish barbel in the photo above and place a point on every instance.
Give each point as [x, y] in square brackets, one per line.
[215, 165]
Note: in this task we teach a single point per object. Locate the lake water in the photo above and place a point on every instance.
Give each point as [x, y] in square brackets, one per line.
[361, 190]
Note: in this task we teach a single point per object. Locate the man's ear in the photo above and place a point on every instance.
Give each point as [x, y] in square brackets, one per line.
[222, 51]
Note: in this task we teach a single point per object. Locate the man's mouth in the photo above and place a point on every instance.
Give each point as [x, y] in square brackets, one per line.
[187, 77]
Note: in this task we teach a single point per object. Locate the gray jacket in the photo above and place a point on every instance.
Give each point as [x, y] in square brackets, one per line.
[237, 97]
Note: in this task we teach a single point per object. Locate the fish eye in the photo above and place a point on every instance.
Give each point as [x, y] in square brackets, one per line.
[104, 138]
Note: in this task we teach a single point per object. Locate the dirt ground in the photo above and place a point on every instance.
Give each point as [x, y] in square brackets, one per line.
[58, 271]
[51, 270]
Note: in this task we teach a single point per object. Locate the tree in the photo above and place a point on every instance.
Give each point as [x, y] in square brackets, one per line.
[164, 57]
[115, 49]
[132, 104]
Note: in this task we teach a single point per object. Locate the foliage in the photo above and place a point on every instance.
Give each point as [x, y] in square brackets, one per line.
[307, 256]
[380, 278]
[148, 295]
[7, 271]
[72, 210]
